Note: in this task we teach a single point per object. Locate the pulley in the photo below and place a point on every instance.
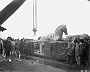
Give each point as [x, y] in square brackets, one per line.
[34, 30]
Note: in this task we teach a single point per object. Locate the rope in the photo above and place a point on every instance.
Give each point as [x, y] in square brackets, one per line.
[33, 13]
[36, 13]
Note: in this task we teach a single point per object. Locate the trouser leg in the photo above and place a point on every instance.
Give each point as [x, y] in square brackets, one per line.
[18, 54]
[68, 59]
[76, 57]
[79, 61]
[72, 59]
[7, 53]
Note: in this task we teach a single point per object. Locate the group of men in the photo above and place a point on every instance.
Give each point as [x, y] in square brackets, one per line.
[78, 52]
[8, 48]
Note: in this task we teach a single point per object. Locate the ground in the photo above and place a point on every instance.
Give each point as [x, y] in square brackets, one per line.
[36, 64]
[28, 65]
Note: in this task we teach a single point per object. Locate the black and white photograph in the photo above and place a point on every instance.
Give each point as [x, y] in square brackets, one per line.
[44, 35]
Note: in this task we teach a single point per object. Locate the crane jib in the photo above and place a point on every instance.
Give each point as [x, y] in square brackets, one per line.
[9, 10]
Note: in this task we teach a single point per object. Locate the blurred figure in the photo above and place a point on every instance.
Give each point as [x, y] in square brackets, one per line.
[71, 52]
[22, 45]
[77, 52]
[85, 54]
[81, 50]
[17, 48]
[1, 46]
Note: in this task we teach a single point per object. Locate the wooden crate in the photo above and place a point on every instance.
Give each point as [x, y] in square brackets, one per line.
[54, 50]
[62, 50]
[47, 49]
[31, 50]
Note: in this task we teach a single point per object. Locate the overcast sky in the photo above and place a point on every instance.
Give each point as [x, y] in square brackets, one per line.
[51, 13]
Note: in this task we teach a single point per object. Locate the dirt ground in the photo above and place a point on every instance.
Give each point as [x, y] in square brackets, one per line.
[27, 65]
[23, 65]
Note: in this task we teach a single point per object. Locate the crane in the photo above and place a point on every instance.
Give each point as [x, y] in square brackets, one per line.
[8, 11]
[12, 7]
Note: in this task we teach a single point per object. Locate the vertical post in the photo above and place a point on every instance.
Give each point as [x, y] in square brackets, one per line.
[40, 49]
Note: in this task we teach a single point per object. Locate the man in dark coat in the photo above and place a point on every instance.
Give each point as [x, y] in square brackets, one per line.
[22, 44]
[1, 46]
[85, 54]
[17, 48]
[8, 47]
[78, 52]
